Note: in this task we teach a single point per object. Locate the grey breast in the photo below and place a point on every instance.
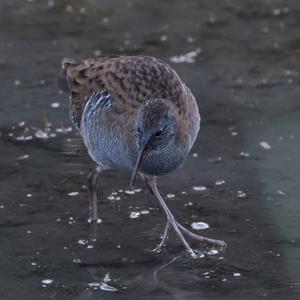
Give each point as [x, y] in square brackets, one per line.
[105, 134]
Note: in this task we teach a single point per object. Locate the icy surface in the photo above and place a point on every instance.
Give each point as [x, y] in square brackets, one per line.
[199, 225]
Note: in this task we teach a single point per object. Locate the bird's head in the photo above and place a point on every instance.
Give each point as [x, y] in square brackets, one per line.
[155, 128]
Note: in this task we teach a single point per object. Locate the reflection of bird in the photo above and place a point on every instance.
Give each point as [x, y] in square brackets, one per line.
[133, 112]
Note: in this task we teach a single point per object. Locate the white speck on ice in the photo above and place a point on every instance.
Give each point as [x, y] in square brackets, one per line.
[280, 192]
[234, 133]
[237, 274]
[199, 225]
[199, 188]
[134, 214]
[51, 3]
[63, 129]
[144, 212]
[82, 242]
[276, 11]
[190, 39]
[170, 196]
[69, 8]
[55, 104]
[47, 281]
[137, 190]
[163, 38]
[97, 53]
[29, 195]
[77, 260]
[25, 156]
[72, 194]
[82, 10]
[17, 82]
[105, 20]
[265, 145]
[220, 182]
[212, 252]
[195, 155]
[21, 124]
[40, 134]
[241, 194]
[99, 221]
[129, 192]
[111, 197]
[24, 138]
[187, 57]
[244, 154]
[265, 29]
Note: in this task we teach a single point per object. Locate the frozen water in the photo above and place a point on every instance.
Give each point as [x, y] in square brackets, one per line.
[47, 281]
[72, 194]
[40, 134]
[186, 58]
[220, 182]
[170, 196]
[199, 225]
[199, 188]
[265, 145]
[55, 104]
[134, 214]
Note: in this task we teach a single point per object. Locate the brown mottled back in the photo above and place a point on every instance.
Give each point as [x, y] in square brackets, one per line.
[129, 80]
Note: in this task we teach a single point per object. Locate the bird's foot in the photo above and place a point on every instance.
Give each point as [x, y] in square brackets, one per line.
[178, 228]
[200, 238]
[181, 231]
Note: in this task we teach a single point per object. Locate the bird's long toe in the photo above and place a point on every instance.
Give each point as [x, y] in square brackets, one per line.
[200, 238]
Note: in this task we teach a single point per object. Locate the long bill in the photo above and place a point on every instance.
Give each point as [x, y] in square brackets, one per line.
[138, 161]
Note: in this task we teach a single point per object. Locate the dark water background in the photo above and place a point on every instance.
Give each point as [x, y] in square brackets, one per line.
[244, 71]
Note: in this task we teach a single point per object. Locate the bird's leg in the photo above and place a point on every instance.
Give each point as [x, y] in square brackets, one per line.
[93, 184]
[163, 239]
[151, 181]
[178, 228]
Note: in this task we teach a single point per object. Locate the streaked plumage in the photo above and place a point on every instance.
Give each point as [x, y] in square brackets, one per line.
[129, 82]
[133, 112]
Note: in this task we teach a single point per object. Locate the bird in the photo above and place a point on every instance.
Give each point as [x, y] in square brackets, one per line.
[133, 113]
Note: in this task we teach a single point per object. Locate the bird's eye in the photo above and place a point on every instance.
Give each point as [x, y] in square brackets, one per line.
[159, 132]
